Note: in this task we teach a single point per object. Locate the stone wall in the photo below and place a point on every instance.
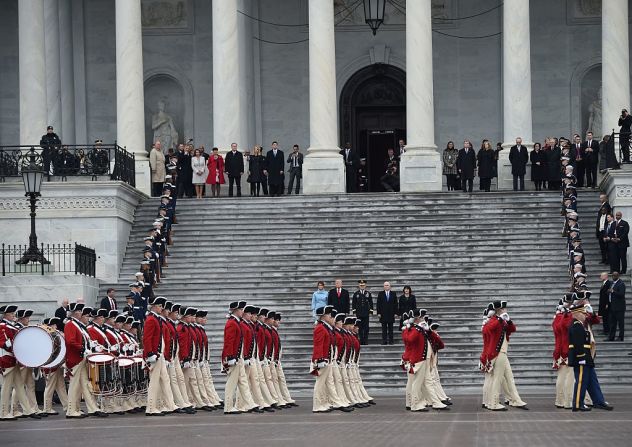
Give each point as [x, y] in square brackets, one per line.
[98, 215]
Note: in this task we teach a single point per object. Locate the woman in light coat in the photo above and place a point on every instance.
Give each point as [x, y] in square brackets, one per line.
[319, 298]
[198, 164]
[158, 169]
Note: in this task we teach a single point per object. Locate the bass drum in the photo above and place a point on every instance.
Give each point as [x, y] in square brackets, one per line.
[59, 360]
[34, 346]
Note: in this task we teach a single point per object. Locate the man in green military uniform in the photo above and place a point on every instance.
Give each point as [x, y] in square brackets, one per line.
[581, 359]
[362, 306]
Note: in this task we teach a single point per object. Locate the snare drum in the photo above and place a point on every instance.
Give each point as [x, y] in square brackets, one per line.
[127, 374]
[140, 375]
[102, 374]
[34, 346]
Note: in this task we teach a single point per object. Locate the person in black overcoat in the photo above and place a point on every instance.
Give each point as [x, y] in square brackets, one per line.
[352, 164]
[538, 166]
[604, 301]
[519, 157]
[339, 298]
[617, 307]
[387, 308]
[466, 165]
[275, 170]
[486, 160]
[234, 167]
[554, 177]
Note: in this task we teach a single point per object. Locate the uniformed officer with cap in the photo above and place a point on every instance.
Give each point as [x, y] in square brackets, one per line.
[285, 392]
[582, 362]
[54, 378]
[362, 306]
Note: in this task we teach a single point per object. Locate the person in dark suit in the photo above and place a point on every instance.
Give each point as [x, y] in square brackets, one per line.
[486, 161]
[591, 157]
[109, 302]
[604, 301]
[466, 165]
[616, 307]
[339, 298]
[538, 166]
[275, 170]
[608, 237]
[604, 210]
[622, 229]
[625, 121]
[61, 313]
[295, 160]
[518, 157]
[580, 160]
[352, 163]
[387, 308]
[234, 167]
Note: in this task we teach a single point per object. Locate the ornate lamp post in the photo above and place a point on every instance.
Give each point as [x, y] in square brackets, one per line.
[32, 175]
[374, 13]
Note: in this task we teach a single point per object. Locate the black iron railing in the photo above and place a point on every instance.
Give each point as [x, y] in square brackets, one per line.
[63, 161]
[62, 258]
[617, 149]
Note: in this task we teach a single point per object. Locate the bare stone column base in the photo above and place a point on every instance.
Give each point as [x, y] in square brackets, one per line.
[420, 170]
[323, 175]
[143, 174]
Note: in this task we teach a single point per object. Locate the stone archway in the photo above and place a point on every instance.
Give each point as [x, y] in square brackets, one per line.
[373, 114]
[167, 89]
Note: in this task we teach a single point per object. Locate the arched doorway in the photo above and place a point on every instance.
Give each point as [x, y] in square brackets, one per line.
[373, 116]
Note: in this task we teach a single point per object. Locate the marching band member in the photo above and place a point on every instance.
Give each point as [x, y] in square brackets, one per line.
[263, 368]
[199, 337]
[27, 374]
[186, 355]
[12, 379]
[233, 365]
[564, 383]
[205, 363]
[54, 378]
[500, 329]
[267, 353]
[405, 361]
[279, 367]
[436, 344]
[171, 355]
[273, 352]
[349, 385]
[78, 345]
[357, 325]
[325, 397]
[180, 395]
[153, 353]
[249, 343]
[339, 353]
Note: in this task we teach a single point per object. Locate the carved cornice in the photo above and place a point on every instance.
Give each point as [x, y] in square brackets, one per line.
[624, 192]
[59, 203]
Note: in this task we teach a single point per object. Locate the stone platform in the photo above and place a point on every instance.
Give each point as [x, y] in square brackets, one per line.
[384, 424]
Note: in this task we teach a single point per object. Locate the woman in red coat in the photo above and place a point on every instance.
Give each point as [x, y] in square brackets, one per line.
[215, 172]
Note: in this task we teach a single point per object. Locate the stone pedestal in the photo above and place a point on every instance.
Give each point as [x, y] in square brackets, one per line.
[420, 170]
[323, 168]
[98, 215]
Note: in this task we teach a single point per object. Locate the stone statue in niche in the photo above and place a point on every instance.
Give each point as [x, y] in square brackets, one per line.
[163, 127]
[595, 115]
[164, 13]
[590, 7]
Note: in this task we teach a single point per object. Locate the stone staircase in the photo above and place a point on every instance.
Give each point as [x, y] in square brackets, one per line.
[458, 252]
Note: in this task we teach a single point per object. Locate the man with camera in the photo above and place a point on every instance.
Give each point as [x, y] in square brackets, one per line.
[625, 121]
[295, 160]
[390, 180]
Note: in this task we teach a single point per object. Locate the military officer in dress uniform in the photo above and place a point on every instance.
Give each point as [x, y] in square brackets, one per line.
[272, 340]
[205, 362]
[176, 378]
[362, 306]
[264, 339]
[78, 346]
[285, 392]
[581, 360]
[355, 363]
[248, 352]
[12, 379]
[186, 355]
[233, 363]
[338, 361]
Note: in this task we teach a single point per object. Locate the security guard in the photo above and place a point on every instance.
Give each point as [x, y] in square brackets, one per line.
[581, 359]
[362, 306]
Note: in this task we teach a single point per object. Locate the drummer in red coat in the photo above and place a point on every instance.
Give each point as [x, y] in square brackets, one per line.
[97, 331]
[12, 379]
[78, 346]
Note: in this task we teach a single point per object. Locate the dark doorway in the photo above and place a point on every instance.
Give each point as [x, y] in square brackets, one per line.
[373, 116]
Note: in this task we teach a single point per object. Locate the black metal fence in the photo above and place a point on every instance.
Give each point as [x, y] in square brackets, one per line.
[63, 258]
[63, 161]
[617, 149]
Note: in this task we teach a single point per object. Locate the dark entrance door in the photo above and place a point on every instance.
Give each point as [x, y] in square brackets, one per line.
[373, 116]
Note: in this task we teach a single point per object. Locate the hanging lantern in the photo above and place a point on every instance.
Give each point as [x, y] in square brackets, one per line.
[374, 13]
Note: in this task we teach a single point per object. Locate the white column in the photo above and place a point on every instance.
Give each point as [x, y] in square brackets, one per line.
[53, 79]
[32, 71]
[66, 62]
[615, 62]
[130, 107]
[227, 113]
[323, 169]
[516, 85]
[421, 164]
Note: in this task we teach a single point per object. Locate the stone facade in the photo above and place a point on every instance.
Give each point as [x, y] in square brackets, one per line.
[177, 55]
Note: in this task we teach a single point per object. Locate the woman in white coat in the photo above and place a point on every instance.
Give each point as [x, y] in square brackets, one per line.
[198, 164]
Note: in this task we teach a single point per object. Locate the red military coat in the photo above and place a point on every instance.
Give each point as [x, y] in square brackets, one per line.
[435, 341]
[203, 342]
[185, 340]
[260, 336]
[322, 343]
[152, 335]
[248, 339]
[356, 347]
[233, 340]
[497, 330]
[98, 334]
[76, 337]
[406, 339]
[276, 343]
[170, 339]
[418, 350]
[114, 339]
[7, 332]
[340, 344]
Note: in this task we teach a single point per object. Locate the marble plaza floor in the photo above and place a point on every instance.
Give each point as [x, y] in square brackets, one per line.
[385, 424]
